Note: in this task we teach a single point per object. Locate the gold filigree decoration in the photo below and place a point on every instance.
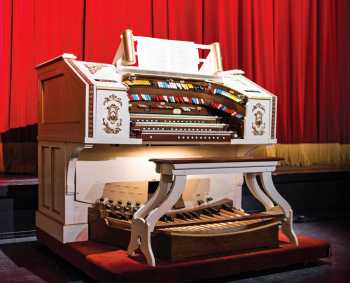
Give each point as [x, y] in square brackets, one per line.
[112, 122]
[258, 125]
[93, 68]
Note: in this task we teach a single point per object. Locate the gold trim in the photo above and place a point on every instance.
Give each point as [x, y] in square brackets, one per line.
[273, 117]
[217, 49]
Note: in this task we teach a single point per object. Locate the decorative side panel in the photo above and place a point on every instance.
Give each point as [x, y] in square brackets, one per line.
[258, 123]
[258, 126]
[112, 120]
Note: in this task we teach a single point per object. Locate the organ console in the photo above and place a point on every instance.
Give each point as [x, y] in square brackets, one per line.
[159, 98]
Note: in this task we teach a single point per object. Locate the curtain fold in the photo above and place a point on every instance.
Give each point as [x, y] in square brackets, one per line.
[185, 20]
[23, 106]
[5, 63]
[41, 30]
[296, 68]
[329, 75]
[344, 32]
[296, 49]
[106, 20]
[58, 29]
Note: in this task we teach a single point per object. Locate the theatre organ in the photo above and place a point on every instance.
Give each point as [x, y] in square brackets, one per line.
[159, 98]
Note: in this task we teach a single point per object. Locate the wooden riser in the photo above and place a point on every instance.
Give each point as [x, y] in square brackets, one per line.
[176, 247]
[105, 263]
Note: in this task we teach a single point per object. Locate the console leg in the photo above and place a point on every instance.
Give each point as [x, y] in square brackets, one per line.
[287, 225]
[135, 237]
[159, 195]
[139, 228]
[162, 201]
[141, 238]
[256, 191]
[173, 196]
[146, 246]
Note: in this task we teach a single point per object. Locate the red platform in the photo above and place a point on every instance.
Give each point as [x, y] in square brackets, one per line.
[105, 263]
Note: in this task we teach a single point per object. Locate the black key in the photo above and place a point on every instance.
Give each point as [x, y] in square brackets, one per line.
[164, 219]
[181, 216]
[188, 215]
[207, 212]
[170, 218]
[227, 207]
[214, 210]
[195, 214]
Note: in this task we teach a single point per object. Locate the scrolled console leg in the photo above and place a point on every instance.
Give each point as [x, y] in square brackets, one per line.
[140, 233]
[159, 195]
[173, 196]
[141, 238]
[146, 218]
[257, 192]
[270, 189]
[135, 238]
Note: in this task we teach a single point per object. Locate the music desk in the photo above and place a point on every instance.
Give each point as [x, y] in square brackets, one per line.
[172, 184]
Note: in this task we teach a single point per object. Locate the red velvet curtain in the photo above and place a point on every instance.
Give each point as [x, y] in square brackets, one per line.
[40, 30]
[105, 21]
[295, 48]
[5, 62]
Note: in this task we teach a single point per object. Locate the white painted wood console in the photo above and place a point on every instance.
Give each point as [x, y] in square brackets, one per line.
[172, 183]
